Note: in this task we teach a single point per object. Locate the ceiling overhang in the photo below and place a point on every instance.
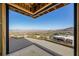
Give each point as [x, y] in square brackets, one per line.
[35, 9]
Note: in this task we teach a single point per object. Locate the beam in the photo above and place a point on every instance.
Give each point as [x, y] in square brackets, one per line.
[48, 8]
[20, 8]
[52, 7]
[42, 8]
[19, 11]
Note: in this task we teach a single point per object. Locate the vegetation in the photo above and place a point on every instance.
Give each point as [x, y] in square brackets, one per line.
[48, 36]
[45, 35]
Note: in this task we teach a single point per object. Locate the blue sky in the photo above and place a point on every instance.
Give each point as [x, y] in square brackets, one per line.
[58, 19]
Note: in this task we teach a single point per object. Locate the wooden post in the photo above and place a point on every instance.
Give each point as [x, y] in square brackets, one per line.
[3, 29]
[0, 29]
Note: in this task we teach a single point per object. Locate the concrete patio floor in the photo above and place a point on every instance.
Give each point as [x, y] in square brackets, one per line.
[57, 48]
[34, 47]
[31, 50]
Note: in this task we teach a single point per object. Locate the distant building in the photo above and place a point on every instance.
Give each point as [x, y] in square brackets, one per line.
[68, 39]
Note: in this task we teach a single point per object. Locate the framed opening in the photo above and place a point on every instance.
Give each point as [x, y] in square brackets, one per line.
[64, 36]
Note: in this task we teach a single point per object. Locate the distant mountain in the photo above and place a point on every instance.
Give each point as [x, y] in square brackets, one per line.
[69, 29]
[66, 29]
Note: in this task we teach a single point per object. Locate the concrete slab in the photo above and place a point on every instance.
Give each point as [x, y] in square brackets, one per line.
[60, 49]
[30, 51]
[17, 44]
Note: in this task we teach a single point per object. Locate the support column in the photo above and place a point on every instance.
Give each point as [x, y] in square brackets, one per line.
[3, 29]
[0, 29]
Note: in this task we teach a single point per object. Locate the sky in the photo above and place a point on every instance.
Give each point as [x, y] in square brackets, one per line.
[58, 19]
